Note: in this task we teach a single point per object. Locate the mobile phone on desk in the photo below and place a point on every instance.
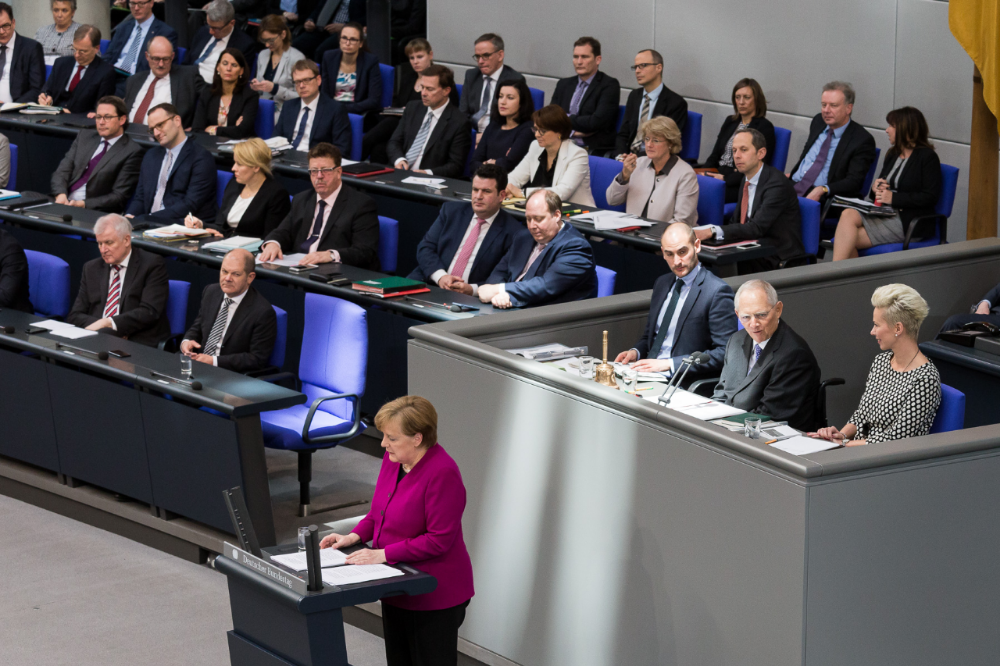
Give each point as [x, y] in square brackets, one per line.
[302, 269]
[35, 330]
[118, 353]
[748, 246]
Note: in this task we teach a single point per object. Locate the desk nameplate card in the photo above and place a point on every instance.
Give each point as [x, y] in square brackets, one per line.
[264, 568]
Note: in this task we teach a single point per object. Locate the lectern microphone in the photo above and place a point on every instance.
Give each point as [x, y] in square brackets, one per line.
[314, 568]
[195, 385]
[8, 329]
[102, 355]
[696, 358]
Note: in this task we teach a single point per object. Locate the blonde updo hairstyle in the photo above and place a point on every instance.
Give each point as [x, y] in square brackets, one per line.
[901, 304]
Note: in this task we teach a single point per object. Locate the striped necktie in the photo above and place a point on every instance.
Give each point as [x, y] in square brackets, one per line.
[417, 147]
[114, 292]
[215, 337]
[637, 146]
[128, 64]
[756, 357]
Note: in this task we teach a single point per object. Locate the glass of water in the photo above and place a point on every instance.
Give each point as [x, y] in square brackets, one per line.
[630, 378]
[751, 427]
[587, 366]
[303, 533]
[186, 370]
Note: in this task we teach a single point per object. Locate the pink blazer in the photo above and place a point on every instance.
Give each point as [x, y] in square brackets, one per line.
[419, 521]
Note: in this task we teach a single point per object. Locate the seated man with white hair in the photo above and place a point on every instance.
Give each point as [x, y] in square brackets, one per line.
[123, 293]
[768, 369]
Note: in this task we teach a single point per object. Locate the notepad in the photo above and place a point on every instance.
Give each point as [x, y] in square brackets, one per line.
[52, 324]
[288, 261]
[803, 446]
[328, 557]
[72, 333]
[358, 573]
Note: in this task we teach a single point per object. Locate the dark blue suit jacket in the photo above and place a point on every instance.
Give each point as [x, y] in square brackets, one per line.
[237, 40]
[190, 187]
[441, 243]
[705, 324]
[330, 124]
[27, 70]
[564, 271]
[367, 94]
[121, 34]
[98, 80]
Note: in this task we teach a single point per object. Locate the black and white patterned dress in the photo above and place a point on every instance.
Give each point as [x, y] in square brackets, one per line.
[897, 404]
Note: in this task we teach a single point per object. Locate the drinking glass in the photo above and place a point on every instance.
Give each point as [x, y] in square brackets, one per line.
[751, 427]
[303, 533]
[630, 377]
[186, 370]
[587, 366]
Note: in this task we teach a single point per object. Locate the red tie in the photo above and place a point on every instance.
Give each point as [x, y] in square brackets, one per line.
[140, 115]
[745, 202]
[76, 79]
[466, 252]
[114, 292]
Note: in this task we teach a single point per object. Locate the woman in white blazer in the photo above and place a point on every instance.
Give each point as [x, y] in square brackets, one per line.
[658, 185]
[274, 64]
[553, 161]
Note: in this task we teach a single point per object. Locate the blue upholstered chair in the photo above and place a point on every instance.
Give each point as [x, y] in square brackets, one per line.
[388, 84]
[809, 211]
[537, 97]
[602, 171]
[277, 359]
[951, 414]
[177, 306]
[621, 116]
[222, 179]
[711, 200]
[357, 134]
[12, 180]
[388, 243]
[104, 45]
[782, 141]
[264, 126]
[691, 138]
[48, 284]
[181, 52]
[332, 375]
[870, 176]
[605, 281]
[48, 72]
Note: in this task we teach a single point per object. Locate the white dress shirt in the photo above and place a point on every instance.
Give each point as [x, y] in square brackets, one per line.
[121, 292]
[435, 117]
[666, 351]
[207, 66]
[236, 300]
[753, 361]
[751, 191]
[5, 78]
[81, 194]
[304, 145]
[161, 95]
[143, 29]
[330, 200]
[438, 274]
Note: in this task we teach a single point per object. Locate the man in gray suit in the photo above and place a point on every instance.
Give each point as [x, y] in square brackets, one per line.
[769, 369]
[102, 167]
[4, 161]
[164, 83]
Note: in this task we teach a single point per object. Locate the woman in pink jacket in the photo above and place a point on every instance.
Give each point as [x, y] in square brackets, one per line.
[416, 518]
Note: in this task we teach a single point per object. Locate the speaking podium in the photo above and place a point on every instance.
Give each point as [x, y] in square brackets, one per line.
[276, 621]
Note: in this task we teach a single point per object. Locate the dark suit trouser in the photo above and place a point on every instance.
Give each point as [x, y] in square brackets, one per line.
[422, 638]
[758, 265]
[959, 320]
[376, 141]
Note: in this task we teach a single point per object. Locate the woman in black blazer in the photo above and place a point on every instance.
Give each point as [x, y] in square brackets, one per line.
[506, 140]
[229, 107]
[750, 107]
[351, 74]
[910, 182]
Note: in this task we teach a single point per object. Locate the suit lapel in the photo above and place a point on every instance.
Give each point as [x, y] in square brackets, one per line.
[338, 210]
[110, 157]
[758, 192]
[838, 153]
[181, 158]
[591, 87]
[439, 129]
[656, 305]
[543, 257]
[492, 234]
[689, 302]
[765, 358]
[241, 313]
[134, 266]
[320, 108]
[310, 216]
[87, 147]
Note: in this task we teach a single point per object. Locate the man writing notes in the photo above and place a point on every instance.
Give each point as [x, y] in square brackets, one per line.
[79, 80]
[768, 368]
[553, 263]
[163, 83]
[482, 81]
[649, 100]
[691, 311]
[590, 99]
[22, 62]
[236, 327]
[331, 222]
[468, 240]
[123, 293]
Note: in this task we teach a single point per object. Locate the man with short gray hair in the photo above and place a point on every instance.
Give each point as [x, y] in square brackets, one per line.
[218, 34]
[124, 293]
[483, 80]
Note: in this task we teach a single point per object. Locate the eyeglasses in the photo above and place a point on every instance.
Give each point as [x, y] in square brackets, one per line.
[653, 139]
[642, 65]
[325, 171]
[83, 51]
[217, 28]
[302, 82]
[267, 41]
[139, 3]
[760, 316]
[485, 56]
[106, 119]
[6, 27]
[160, 125]
[159, 61]
[539, 130]
[350, 40]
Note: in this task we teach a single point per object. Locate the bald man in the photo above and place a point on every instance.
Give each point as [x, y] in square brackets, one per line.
[165, 82]
[236, 326]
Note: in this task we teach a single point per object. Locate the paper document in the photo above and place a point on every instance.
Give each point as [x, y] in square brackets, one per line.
[707, 411]
[606, 220]
[173, 231]
[9, 194]
[427, 182]
[73, 333]
[358, 573]
[328, 557]
[642, 376]
[682, 399]
[803, 446]
[52, 324]
[549, 352]
[232, 243]
[289, 260]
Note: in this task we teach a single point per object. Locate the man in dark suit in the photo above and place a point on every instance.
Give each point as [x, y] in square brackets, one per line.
[433, 136]
[766, 206]
[468, 240]
[322, 26]
[236, 327]
[177, 177]
[553, 263]
[218, 34]
[590, 99]
[652, 98]
[768, 368]
[123, 293]
[483, 81]
[101, 169]
[78, 81]
[691, 311]
[22, 62]
[313, 118]
[164, 83]
[127, 50]
[987, 309]
[332, 222]
[13, 274]
[838, 152]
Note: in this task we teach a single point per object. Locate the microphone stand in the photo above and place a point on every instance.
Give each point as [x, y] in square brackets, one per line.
[675, 380]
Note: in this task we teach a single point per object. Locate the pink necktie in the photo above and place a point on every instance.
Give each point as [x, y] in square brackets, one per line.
[539, 248]
[114, 293]
[466, 252]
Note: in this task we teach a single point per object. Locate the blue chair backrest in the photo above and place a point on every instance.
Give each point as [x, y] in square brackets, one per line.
[782, 140]
[602, 171]
[277, 358]
[177, 306]
[472, 151]
[621, 116]
[48, 72]
[691, 137]
[388, 83]
[388, 243]
[12, 180]
[357, 134]
[222, 179]
[811, 212]
[458, 89]
[537, 97]
[334, 354]
[264, 127]
[951, 413]
[48, 284]
[711, 200]
[949, 185]
[870, 177]
[104, 45]
[181, 52]
[605, 281]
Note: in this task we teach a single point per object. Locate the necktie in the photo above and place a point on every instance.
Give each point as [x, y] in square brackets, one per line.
[114, 292]
[803, 186]
[466, 252]
[140, 114]
[90, 168]
[661, 335]
[161, 186]
[128, 64]
[207, 52]
[753, 361]
[314, 231]
[417, 147]
[76, 78]
[301, 131]
[539, 248]
[215, 337]
[3, 64]
[485, 102]
[637, 146]
[745, 201]
[574, 104]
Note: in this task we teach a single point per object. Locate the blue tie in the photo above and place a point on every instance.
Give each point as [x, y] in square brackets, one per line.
[301, 131]
[207, 52]
[133, 50]
[753, 361]
[314, 230]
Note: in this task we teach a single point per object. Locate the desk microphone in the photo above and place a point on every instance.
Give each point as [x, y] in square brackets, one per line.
[103, 355]
[696, 358]
[67, 218]
[314, 568]
[8, 329]
[195, 385]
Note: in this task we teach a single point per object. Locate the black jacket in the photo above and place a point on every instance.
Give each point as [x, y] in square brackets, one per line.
[851, 161]
[331, 123]
[598, 114]
[368, 89]
[761, 124]
[668, 104]
[447, 147]
[243, 105]
[237, 40]
[269, 207]
[27, 70]
[774, 216]
[472, 88]
[918, 186]
[97, 81]
[250, 336]
[13, 274]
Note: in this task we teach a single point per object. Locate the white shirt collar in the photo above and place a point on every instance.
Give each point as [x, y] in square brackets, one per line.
[756, 177]
[311, 105]
[495, 76]
[438, 111]
[111, 141]
[124, 262]
[689, 278]
[236, 299]
[762, 344]
[655, 94]
[332, 198]
[10, 46]
[489, 220]
[176, 150]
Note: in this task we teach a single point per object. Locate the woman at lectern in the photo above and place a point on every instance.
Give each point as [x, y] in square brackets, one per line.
[416, 518]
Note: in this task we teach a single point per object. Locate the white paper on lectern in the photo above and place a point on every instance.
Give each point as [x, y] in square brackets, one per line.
[803, 446]
[289, 260]
[358, 573]
[52, 324]
[328, 557]
[72, 333]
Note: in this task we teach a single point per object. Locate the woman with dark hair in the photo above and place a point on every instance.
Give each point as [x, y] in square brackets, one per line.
[507, 138]
[229, 107]
[553, 162]
[351, 74]
[274, 63]
[749, 111]
[910, 182]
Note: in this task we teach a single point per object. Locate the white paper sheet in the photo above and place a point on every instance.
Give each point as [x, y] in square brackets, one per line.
[803, 446]
[289, 260]
[358, 573]
[328, 557]
[73, 333]
[708, 410]
[428, 182]
[52, 324]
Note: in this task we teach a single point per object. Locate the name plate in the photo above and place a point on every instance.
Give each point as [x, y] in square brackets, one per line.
[264, 568]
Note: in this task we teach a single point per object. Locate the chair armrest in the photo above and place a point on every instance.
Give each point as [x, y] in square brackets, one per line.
[280, 377]
[698, 386]
[941, 220]
[332, 438]
[791, 261]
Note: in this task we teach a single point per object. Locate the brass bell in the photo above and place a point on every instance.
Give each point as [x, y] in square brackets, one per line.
[605, 372]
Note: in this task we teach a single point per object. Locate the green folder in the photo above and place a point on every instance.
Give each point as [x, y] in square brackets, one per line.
[389, 284]
[741, 418]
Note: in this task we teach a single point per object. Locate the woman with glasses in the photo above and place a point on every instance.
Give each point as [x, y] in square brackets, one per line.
[506, 140]
[229, 107]
[749, 109]
[553, 161]
[351, 73]
[57, 37]
[659, 185]
[274, 63]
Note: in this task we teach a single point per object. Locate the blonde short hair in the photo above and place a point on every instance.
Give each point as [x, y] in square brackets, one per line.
[253, 153]
[413, 415]
[664, 128]
[901, 304]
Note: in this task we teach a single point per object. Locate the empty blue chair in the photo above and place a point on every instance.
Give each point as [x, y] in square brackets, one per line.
[605, 281]
[711, 200]
[782, 141]
[332, 375]
[388, 243]
[691, 138]
[951, 414]
[181, 52]
[222, 179]
[810, 212]
[48, 72]
[48, 284]
[12, 180]
[277, 358]
[866, 187]
[602, 171]
[388, 83]
[538, 97]
[357, 134]
[621, 116]
[177, 307]
[104, 45]
[264, 126]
